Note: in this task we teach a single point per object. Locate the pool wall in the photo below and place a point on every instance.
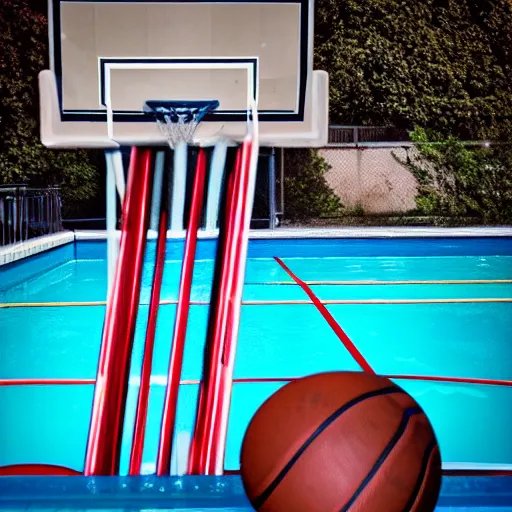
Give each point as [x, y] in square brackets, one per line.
[196, 494]
[28, 268]
[23, 270]
[328, 248]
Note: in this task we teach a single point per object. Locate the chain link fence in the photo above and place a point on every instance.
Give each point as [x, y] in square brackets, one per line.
[378, 176]
[370, 179]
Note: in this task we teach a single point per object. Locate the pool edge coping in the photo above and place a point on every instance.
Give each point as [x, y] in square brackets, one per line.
[333, 233]
[19, 251]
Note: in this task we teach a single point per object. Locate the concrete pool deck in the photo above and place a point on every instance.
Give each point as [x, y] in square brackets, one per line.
[21, 250]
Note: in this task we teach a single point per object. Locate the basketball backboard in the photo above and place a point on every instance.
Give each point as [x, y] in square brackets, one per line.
[109, 57]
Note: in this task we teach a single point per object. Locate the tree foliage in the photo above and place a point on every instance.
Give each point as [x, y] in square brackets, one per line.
[440, 64]
[443, 65]
[23, 159]
[458, 180]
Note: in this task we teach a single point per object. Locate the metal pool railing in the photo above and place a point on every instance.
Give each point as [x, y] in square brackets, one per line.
[27, 212]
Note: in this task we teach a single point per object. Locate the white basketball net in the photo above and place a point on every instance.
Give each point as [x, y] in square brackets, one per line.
[178, 128]
[178, 121]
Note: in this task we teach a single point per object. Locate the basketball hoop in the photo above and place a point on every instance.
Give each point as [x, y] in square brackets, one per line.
[178, 120]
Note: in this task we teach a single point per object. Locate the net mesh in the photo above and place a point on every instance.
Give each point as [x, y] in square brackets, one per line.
[178, 121]
[178, 129]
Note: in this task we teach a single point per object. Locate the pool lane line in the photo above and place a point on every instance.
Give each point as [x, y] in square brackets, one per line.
[46, 382]
[331, 302]
[290, 302]
[455, 380]
[428, 378]
[386, 283]
[347, 342]
[263, 380]
[8, 305]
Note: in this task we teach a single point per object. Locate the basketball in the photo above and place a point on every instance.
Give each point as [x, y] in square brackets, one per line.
[341, 441]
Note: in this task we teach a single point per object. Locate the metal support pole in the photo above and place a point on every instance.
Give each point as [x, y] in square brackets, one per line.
[282, 183]
[118, 169]
[215, 185]
[157, 190]
[272, 189]
[179, 182]
[115, 184]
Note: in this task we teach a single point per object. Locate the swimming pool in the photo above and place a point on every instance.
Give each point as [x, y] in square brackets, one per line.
[439, 329]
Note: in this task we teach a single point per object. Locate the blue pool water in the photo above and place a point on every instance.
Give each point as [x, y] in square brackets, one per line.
[49, 424]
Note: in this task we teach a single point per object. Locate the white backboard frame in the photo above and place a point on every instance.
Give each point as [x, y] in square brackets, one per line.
[109, 64]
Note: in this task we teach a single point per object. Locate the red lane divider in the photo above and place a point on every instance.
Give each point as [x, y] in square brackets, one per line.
[163, 461]
[104, 442]
[429, 378]
[46, 382]
[249, 380]
[347, 342]
[139, 432]
[460, 380]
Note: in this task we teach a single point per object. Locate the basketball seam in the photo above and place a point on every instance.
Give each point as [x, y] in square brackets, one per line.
[421, 477]
[259, 500]
[404, 422]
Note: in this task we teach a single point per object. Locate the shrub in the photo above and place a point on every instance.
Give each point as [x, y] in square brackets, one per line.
[459, 180]
[307, 194]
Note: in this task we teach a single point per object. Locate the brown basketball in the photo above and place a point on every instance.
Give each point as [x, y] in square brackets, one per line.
[341, 441]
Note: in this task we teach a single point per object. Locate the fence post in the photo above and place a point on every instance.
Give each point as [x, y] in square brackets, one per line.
[26, 212]
[282, 184]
